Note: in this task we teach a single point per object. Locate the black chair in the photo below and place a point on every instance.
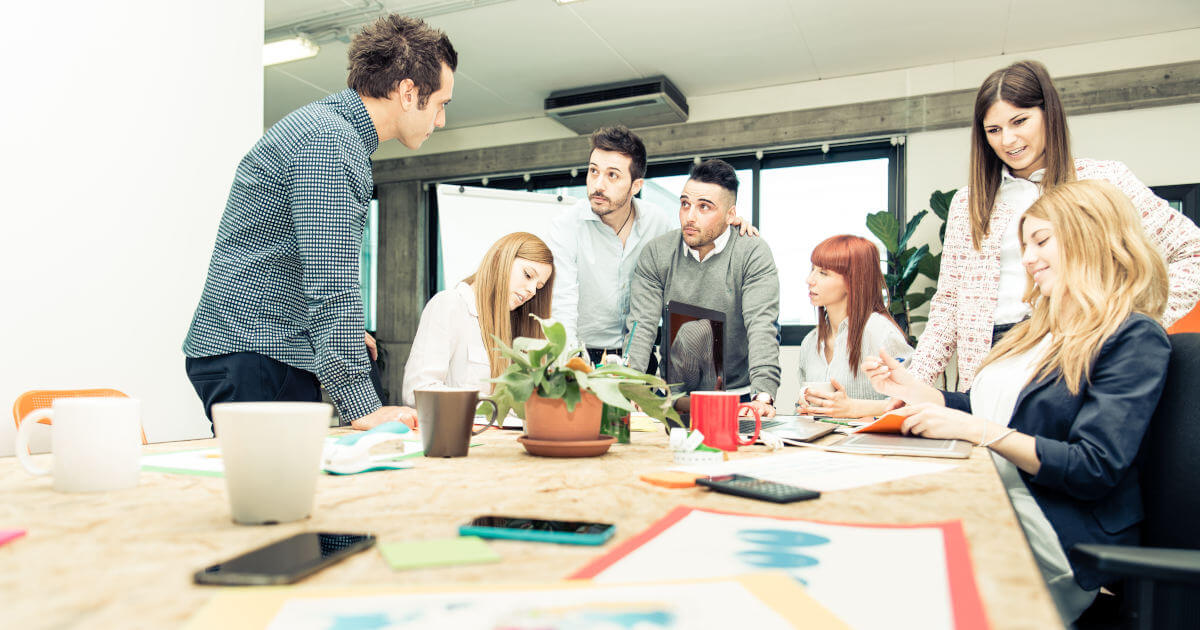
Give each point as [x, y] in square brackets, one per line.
[1162, 577]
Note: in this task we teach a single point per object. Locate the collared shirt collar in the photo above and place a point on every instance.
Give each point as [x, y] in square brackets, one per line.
[356, 113]
[1034, 177]
[468, 295]
[718, 246]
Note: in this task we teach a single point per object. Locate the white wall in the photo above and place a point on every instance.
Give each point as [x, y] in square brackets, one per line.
[127, 121]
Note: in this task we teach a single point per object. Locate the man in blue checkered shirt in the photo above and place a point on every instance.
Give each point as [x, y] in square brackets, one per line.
[281, 314]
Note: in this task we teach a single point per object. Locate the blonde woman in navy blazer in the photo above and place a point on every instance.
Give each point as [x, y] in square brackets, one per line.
[1064, 400]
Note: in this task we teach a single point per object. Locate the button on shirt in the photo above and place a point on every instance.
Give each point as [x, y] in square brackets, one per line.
[593, 270]
[1019, 194]
[284, 276]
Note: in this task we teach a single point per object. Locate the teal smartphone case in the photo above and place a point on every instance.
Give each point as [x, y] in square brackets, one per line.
[566, 538]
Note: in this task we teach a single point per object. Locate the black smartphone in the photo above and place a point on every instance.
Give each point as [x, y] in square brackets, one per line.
[540, 530]
[753, 488]
[285, 561]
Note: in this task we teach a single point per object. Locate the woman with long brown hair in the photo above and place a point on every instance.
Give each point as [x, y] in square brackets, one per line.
[1065, 398]
[853, 322]
[455, 343]
[1020, 148]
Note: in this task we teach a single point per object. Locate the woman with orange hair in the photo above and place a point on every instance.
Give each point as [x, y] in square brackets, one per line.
[454, 345]
[846, 286]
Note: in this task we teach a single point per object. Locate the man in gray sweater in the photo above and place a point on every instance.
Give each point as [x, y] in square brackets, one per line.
[706, 264]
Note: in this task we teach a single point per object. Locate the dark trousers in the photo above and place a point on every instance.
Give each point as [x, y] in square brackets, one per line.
[249, 377]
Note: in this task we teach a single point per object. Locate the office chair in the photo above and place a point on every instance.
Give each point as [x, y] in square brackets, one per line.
[1163, 575]
[44, 399]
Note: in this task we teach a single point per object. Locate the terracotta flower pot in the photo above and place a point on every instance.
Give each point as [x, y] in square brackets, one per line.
[548, 419]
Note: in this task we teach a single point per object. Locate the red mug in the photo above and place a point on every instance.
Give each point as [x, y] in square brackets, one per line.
[715, 414]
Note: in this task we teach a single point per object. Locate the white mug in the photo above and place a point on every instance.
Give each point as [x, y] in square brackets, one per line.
[97, 443]
[821, 387]
[272, 455]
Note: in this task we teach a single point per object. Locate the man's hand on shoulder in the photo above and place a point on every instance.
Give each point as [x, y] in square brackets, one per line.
[744, 227]
[388, 413]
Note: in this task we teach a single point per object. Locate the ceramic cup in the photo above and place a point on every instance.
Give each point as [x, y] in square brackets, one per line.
[97, 443]
[445, 417]
[823, 387]
[272, 455]
[715, 414]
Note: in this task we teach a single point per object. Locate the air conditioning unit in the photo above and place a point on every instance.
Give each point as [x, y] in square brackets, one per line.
[639, 103]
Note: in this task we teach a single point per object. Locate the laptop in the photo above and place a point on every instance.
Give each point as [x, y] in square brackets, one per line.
[692, 345]
[797, 428]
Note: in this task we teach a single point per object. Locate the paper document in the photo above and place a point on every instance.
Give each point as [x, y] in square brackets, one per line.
[206, 462]
[817, 470]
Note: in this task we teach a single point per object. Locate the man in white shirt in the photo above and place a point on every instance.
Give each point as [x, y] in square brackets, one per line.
[596, 243]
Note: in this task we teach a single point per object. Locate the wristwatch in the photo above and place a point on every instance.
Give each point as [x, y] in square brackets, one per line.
[764, 397]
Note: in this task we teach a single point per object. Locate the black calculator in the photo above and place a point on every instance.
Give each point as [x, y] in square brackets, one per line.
[750, 487]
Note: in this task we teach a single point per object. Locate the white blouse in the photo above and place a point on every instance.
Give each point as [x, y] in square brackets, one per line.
[994, 397]
[448, 348]
[879, 333]
[1020, 194]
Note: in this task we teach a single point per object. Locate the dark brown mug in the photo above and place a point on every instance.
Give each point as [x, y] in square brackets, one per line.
[445, 417]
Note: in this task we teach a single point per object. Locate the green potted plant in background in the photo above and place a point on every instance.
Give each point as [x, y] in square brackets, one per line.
[559, 394]
[905, 263]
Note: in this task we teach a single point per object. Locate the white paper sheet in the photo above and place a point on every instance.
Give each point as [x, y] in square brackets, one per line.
[821, 471]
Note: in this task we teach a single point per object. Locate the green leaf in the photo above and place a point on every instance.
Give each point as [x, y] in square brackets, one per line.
[609, 392]
[884, 226]
[931, 266]
[515, 356]
[916, 319]
[909, 273]
[914, 300]
[910, 229]
[939, 202]
[527, 344]
[556, 335]
[554, 386]
[572, 395]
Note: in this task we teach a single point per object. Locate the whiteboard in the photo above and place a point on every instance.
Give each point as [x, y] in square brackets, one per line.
[471, 219]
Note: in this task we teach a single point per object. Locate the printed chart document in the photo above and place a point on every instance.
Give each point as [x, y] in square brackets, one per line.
[763, 601]
[821, 471]
[871, 576]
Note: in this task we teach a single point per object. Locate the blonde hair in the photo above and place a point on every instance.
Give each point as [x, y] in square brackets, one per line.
[1107, 270]
[491, 285]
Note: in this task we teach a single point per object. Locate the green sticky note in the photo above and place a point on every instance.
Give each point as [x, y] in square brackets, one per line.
[414, 554]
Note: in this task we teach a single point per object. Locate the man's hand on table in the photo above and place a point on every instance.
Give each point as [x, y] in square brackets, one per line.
[387, 413]
[764, 409]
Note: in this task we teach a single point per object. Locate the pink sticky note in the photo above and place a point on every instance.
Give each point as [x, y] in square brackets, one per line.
[10, 534]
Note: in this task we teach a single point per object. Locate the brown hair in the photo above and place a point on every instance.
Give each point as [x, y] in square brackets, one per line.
[490, 283]
[619, 139]
[395, 48]
[857, 260]
[1107, 269]
[1023, 84]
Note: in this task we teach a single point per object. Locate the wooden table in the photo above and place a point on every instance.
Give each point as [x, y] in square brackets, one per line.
[125, 559]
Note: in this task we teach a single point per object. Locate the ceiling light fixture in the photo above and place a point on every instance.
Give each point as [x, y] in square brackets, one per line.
[290, 49]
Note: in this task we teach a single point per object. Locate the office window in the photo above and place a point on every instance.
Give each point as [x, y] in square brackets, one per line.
[800, 206]
[368, 275]
[797, 198]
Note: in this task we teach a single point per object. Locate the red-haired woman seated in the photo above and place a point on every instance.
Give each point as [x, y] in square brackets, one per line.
[846, 286]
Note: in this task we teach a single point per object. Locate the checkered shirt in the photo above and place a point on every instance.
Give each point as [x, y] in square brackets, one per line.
[284, 276]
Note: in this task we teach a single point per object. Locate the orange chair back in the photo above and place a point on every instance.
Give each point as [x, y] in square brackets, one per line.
[44, 399]
[1189, 323]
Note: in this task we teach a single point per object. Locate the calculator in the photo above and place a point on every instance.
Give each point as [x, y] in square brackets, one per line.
[752, 488]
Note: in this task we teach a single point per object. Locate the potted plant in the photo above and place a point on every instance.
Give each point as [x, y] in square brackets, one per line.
[559, 394]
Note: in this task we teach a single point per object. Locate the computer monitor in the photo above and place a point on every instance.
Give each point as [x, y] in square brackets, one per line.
[692, 348]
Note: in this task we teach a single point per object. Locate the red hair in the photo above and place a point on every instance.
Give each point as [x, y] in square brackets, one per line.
[857, 260]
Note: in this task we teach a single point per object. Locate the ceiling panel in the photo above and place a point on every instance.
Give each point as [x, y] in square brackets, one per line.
[704, 47]
[513, 54]
[845, 41]
[1036, 24]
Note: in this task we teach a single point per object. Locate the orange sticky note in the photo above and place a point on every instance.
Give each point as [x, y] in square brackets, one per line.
[671, 479]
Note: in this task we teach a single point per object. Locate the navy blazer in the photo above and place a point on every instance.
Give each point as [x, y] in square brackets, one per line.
[1089, 443]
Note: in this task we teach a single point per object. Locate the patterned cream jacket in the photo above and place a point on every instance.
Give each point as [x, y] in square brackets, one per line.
[960, 315]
